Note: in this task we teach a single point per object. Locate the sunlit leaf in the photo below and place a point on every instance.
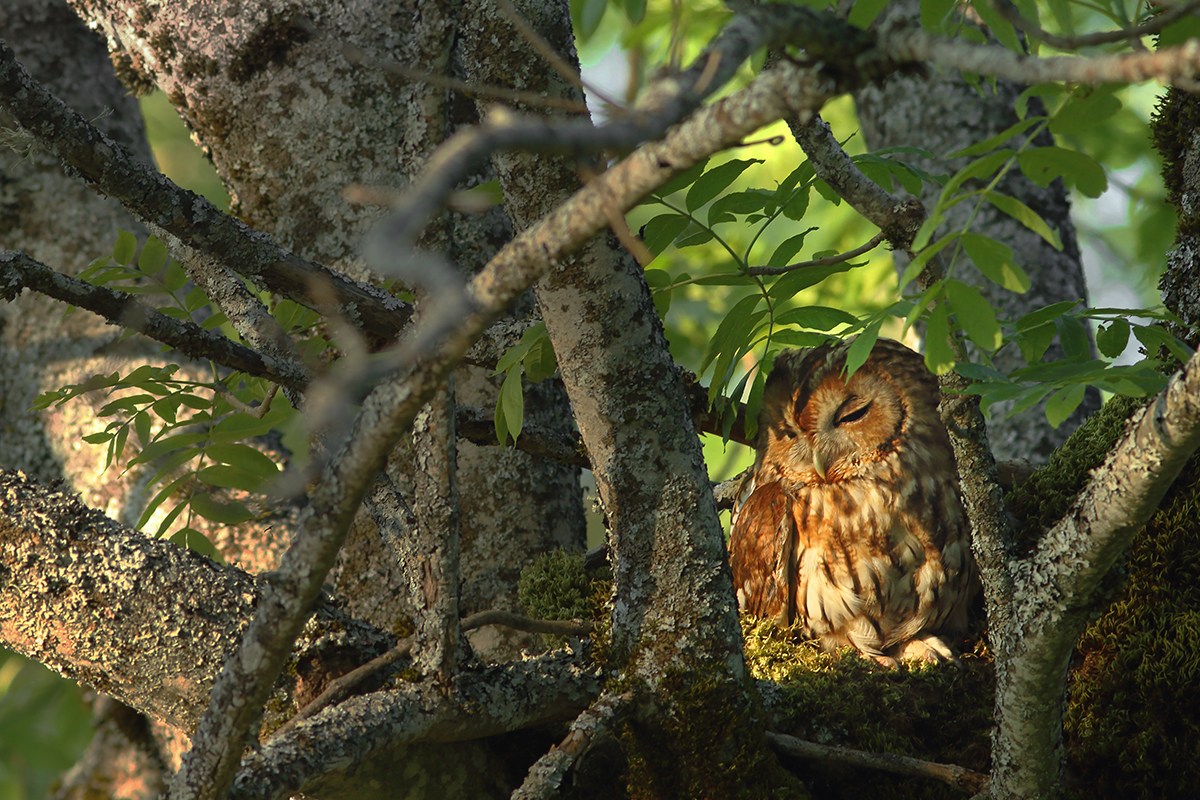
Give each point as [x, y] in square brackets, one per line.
[860, 349]
[975, 315]
[1026, 216]
[995, 261]
[939, 356]
[716, 180]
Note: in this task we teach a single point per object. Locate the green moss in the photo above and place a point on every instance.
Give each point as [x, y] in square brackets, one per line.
[701, 742]
[1042, 500]
[1176, 119]
[556, 586]
[939, 713]
[1133, 717]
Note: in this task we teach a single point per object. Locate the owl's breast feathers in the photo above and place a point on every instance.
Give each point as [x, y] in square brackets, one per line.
[869, 563]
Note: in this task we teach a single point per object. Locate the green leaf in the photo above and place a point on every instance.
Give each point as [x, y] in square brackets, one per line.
[1001, 28]
[1179, 31]
[231, 513]
[166, 407]
[794, 338]
[683, 179]
[792, 283]
[995, 261]
[588, 16]
[658, 233]
[797, 205]
[168, 444]
[980, 167]
[737, 203]
[935, 13]
[988, 145]
[197, 541]
[175, 278]
[512, 403]
[1043, 315]
[939, 356]
[244, 457]
[786, 251]
[826, 191]
[540, 362]
[821, 318]
[917, 264]
[1111, 339]
[158, 499]
[141, 424]
[1063, 403]
[231, 477]
[1043, 164]
[1026, 216]
[1087, 107]
[1034, 342]
[860, 349]
[635, 10]
[1154, 336]
[864, 12]
[153, 257]
[716, 180]
[125, 247]
[754, 401]
[98, 438]
[1073, 335]
[975, 315]
[695, 234]
[246, 426]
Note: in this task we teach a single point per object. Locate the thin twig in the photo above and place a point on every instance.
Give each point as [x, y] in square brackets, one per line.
[1153, 26]
[821, 262]
[959, 777]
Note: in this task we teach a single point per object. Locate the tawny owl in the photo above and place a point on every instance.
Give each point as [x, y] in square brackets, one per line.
[851, 525]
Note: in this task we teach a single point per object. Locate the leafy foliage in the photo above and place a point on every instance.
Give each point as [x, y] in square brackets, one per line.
[190, 434]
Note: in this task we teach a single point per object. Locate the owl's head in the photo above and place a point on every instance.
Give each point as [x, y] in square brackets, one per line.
[818, 426]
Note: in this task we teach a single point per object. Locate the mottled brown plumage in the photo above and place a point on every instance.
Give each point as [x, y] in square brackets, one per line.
[850, 525]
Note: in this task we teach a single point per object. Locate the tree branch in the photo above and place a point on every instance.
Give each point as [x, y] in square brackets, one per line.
[492, 700]
[956, 776]
[103, 164]
[1171, 65]
[18, 271]
[545, 777]
[1149, 28]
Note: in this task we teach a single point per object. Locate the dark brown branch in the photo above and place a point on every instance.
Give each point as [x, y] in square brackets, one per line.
[1153, 26]
[104, 165]
[958, 777]
[821, 262]
[18, 271]
[479, 426]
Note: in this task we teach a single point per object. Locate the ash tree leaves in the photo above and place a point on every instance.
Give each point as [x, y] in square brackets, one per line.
[187, 437]
[532, 356]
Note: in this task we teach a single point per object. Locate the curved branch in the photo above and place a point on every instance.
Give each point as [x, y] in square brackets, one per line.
[103, 164]
[1153, 26]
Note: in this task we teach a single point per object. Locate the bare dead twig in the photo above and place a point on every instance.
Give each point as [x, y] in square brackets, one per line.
[956, 776]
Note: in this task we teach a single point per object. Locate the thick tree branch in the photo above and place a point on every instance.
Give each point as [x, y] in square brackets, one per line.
[546, 776]
[143, 620]
[105, 165]
[18, 271]
[1171, 65]
[1054, 586]
[551, 688]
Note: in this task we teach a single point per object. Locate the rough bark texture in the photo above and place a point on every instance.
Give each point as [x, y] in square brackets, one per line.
[942, 113]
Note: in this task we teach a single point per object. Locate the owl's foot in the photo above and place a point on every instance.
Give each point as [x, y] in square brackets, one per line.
[930, 649]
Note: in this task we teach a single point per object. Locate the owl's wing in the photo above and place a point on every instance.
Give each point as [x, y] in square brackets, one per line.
[762, 553]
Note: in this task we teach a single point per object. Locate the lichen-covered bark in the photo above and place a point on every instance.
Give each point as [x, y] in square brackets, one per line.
[942, 113]
[143, 620]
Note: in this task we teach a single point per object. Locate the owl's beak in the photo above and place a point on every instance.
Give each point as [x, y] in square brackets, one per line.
[817, 465]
